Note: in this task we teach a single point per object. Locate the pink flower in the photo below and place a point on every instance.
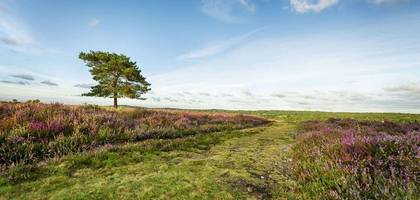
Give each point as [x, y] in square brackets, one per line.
[327, 130]
[37, 126]
[56, 125]
[348, 139]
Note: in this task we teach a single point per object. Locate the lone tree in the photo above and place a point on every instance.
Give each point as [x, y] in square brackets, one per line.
[116, 75]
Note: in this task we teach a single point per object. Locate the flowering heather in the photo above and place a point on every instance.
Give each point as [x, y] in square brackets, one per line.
[348, 139]
[350, 159]
[32, 132]
[37, 127]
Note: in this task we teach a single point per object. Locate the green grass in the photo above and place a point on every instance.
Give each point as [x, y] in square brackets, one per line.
[243, 164]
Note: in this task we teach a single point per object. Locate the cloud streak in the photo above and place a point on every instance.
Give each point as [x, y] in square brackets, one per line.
[49, 83]
[24, 77]
[387, 1]
[223, 10]
[15, 34]
[84, 85]
[406, 88]
[357, 64]
[303, 6]
[219, 47]
[16, 82]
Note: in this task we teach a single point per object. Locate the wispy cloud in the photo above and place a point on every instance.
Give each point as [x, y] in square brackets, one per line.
[170, 99]
[247, 92]
[94, 22]
[279, 95]
[387, 1]
[270, 66]
[248, 5]
[411, 87]
[84, 85]
[16, 82]
[223, 10]
[24, 76]
[15, 35]
[9, 41]
[204, 94]
[49, 83]
[303, 6]
[156, 99]
[218, 47]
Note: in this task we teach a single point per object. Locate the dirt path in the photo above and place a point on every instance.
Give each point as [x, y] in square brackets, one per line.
[256, 163]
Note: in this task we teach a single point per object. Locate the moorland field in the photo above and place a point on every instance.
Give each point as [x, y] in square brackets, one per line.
[54, 151]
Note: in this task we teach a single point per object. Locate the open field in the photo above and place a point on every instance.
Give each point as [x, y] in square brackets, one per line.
[210, 99]
[239, 157]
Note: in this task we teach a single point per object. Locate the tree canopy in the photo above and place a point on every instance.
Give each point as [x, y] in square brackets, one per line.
[116, 74]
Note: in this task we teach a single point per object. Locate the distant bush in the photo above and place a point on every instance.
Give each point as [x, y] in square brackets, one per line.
[349, 159]
[33, 101]
[91, 106]
[31, 132]
[14, 101]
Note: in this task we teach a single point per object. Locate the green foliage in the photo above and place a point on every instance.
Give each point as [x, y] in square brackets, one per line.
[222, 165]
[21, 172]
[117, 76]
[33, 101]
[34, 132]
[91, 106]
[242, 164]
[14, 101]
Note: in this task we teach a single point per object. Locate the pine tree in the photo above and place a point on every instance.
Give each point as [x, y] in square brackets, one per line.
[116, 75]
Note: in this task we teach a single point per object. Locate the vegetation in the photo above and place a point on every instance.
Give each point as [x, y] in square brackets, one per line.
[222, 165]
[288, 158]
[350, 159]
[116, 75]
[34, 132]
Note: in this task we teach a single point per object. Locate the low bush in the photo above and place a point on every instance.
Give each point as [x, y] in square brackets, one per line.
[349, 159]
[32, 132]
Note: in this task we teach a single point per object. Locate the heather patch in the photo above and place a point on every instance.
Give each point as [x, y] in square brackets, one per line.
[345, 158]
[33, 132]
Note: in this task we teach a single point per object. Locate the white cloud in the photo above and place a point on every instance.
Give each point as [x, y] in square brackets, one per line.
[84, 85]
[15, 34]
[248, 5]
[24, 77]
[387, 1]
[12, 31]
[94, 22]
[15, 82]
[358, 66]
[218, 47]
[223, 9]
[49, 83]
[303, 6]
[410, 87]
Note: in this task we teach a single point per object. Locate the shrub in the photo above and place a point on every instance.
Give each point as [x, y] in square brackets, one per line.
[33, 101]
[91, 106]
[31, 132]
[360, 159]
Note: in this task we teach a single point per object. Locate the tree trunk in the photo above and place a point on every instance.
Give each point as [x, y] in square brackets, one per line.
[115, 102]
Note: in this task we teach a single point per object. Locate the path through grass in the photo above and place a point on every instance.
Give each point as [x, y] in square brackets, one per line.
[226, 165]
[242, 164]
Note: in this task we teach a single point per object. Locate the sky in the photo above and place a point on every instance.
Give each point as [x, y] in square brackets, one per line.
[327, 55]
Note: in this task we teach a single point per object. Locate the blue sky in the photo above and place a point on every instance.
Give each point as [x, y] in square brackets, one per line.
[332, 55]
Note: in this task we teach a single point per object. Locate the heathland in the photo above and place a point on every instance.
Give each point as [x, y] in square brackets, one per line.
[53, 151]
